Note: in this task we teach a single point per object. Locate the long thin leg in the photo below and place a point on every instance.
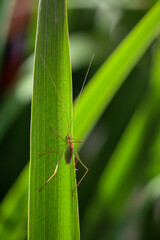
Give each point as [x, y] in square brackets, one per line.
[79, 141]
[47, 152]
[55, 171]
[57, 134]
[75, 165]
[77, 157]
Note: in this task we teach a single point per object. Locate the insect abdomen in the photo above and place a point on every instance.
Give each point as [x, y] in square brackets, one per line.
[68, 154]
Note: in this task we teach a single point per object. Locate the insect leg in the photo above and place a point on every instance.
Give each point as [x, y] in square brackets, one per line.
[47, 152]
[77, 157]
[78, 141]
[55, 171]
[75, 165]
[57, 134]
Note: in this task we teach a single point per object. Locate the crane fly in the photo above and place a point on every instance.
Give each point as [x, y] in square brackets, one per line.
[68, 141]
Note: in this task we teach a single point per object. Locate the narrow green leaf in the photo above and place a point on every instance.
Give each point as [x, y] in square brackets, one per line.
[122, 161]
[117, 173]
[105, 83]
[13, 209]
[53, 212]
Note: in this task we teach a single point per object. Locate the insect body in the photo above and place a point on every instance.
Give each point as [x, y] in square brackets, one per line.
[68, 141]
[69, 152]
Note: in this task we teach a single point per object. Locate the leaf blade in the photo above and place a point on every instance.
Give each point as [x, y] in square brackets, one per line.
[53, 210]
[108, 79]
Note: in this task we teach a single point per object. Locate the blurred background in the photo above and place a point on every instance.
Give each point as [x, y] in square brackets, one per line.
[120, 197]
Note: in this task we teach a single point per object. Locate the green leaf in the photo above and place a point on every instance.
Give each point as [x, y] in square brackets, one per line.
[13, 209]
[117, 176]
[53, 212]
[106, 82]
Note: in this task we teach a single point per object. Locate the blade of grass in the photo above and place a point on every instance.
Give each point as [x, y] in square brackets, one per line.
[53, 213]
[153, 168]
[117, 174]
[135, 216]
[105, 83]
[15, 205]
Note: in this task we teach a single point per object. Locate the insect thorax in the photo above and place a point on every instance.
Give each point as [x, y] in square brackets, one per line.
[68, 138]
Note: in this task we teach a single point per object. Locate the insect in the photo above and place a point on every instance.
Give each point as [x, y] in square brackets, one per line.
[68, 141]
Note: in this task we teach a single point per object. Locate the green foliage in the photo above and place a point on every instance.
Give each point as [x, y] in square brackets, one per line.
[6, 10]
[14, 210]
[116, 180]
[114, 71]
[53, 213]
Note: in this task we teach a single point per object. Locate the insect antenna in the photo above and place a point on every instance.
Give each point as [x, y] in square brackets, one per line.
[51, 78]
[83, 84]
[82, 88]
